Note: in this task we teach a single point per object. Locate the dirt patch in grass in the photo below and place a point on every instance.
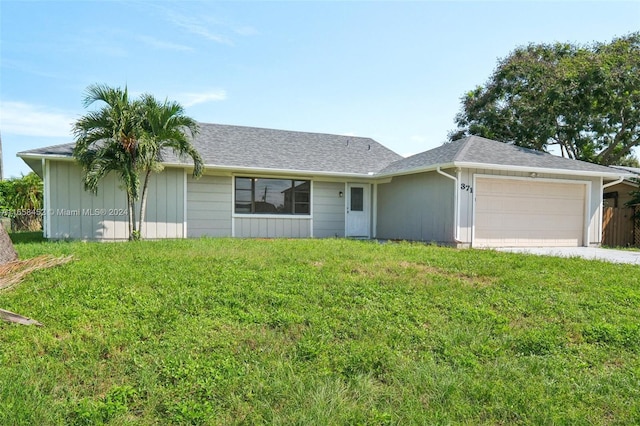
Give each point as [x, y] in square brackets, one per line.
[405, 268]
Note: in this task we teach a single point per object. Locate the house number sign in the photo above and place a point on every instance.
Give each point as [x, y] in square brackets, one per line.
[466, 187]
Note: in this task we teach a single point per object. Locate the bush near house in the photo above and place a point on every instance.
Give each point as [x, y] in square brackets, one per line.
[233, 331]
[21, 202]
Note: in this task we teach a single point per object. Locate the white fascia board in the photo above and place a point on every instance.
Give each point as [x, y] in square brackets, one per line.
[429, 168]
[528, 169]
[523, 169]
[45, 156]
[268, 171]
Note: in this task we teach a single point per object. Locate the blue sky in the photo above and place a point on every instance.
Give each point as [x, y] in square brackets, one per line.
[393, 71]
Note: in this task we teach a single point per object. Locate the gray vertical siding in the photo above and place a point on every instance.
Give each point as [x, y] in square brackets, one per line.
[78, 214]
[209, 206]
[417, 207]
[165, 205]
[272, 227]
[328, 209]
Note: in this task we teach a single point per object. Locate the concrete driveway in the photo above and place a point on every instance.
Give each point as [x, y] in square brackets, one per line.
[607, 255]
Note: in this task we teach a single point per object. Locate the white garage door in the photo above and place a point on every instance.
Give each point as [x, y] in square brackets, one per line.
[522, 213]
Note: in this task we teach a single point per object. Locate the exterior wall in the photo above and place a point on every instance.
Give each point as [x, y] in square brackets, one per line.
[594, 200]
[328, 209]
[165, 205]
[416, 207]
[327, 217]
[78, 214]
[272, 227]
[209, 205]
[623, 190]
[75, 213]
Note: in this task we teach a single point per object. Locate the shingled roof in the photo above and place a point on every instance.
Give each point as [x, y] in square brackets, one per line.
[250, 147]
[238, 147]
[476, 151]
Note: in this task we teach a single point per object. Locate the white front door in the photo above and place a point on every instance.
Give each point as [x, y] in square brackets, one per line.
[358, 210]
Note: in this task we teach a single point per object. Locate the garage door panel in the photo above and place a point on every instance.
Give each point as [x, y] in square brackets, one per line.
[521, 213]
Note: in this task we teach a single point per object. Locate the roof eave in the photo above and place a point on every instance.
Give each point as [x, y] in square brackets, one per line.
[234, 169]
[523, 169]
[274, 171]
[530, 169]
[422, 169]
[27, 155]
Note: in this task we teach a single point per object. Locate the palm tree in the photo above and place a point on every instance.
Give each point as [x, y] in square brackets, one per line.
[165, 128]
[107, 140]
[128, 137]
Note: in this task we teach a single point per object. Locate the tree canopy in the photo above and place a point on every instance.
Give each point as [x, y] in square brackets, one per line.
[127, 136]
[583, 99]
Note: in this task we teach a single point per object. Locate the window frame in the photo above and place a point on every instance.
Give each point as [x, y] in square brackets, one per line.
[295, 181]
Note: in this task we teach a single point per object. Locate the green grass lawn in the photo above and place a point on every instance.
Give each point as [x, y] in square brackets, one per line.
[221, 331]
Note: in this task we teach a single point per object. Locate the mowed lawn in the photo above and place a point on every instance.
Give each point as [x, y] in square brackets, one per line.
[232, 331]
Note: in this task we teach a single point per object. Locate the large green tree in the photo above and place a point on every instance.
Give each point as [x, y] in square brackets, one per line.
[583, 99]
[127, 136]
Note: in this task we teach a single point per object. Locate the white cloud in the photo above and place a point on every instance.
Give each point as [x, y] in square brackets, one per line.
[159, 44]
[209, 27]
[245, 31]
[21, 118]
[198, 27]
[191, 99]
[418, 138]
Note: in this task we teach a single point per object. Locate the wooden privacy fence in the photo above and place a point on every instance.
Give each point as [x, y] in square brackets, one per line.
[619, 229]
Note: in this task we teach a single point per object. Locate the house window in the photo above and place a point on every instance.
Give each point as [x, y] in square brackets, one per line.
[610, 199]
[357, 199]
[272, 196]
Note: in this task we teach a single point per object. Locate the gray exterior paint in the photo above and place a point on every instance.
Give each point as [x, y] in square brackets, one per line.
[272, 227]
[418, 207]
[209, 212]
[209, 202]
[75, 213]
[421, 206]
[410, 198]
[328, 209]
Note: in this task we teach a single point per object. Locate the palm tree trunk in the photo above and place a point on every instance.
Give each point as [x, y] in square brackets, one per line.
[143, 202]
[132, 217]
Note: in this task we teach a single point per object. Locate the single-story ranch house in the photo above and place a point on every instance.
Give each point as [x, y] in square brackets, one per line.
[473, 192]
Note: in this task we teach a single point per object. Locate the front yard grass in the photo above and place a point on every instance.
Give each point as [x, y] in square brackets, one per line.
[222, 331]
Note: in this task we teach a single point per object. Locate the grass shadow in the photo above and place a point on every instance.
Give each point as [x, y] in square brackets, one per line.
[27, 237]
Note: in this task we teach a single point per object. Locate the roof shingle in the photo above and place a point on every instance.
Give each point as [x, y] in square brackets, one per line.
[250, 147]
[258, 148]
[478, 150]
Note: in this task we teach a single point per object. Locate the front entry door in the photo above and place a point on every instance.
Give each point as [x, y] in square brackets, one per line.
[358, 210]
